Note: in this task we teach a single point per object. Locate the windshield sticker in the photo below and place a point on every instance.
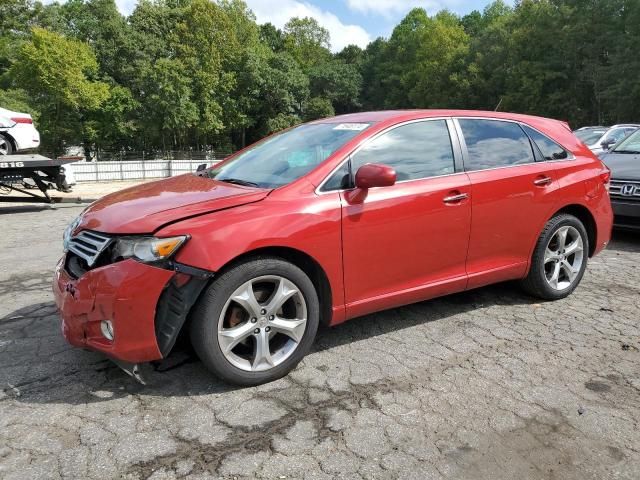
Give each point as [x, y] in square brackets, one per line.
[351, 126]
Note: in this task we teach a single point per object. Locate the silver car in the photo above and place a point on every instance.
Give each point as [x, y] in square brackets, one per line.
[601, 139]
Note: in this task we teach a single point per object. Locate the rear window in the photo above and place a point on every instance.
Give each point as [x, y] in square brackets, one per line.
[550, 150]
[589, 136]
[495, 143]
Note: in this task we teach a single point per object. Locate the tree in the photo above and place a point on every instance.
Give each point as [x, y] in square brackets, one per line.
[438, 77]
[398, 59]
[189, 73]
[351, 55]
[373, 72]
[59, 74]
[489, 59]
[307, 41]
[206, 43]
[100, 24]
[18, 100]
[421, 65]
[279, 90]
[170, 104]
[338, 83]
[272, 37]
[318, 107]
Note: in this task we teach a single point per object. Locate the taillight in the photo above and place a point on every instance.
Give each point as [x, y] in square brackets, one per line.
[22, 120]
[605, 176]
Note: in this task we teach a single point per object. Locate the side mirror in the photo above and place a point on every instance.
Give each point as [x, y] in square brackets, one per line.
[201, 167]
[373, 175]
[607, 144]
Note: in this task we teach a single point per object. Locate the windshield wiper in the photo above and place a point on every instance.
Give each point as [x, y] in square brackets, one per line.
[632, 152]
[237, 181]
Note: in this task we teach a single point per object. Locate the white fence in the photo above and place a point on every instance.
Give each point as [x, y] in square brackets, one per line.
[132, 170]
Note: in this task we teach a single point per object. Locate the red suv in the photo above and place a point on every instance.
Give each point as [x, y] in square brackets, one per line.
[328, 221]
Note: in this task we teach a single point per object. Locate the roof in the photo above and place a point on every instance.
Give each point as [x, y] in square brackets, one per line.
[403, 115]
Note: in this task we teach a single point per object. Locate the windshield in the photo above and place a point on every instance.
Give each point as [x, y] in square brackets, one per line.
[631, 144]
[614, 135]
[287, 156]
[589, 136]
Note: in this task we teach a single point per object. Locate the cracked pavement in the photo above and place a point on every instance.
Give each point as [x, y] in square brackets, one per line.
[487, 384]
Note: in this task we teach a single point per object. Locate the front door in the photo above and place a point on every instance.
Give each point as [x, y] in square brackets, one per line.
[407, 242]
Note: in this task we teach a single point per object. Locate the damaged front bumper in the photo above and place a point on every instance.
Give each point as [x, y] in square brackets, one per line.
[130, 311]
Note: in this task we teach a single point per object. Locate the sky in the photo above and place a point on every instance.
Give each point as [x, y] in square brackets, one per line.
[348, 21]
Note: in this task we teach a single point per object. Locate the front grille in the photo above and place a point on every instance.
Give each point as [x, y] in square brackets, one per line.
[89, 245]
[625, 189]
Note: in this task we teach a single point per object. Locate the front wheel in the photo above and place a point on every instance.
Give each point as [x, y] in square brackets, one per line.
[559, 259]
[256, 321]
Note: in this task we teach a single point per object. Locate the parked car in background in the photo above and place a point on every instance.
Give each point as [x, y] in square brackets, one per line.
[601, 139]
[17, 132]
[624, 162]
[590, 135]
[328, 221]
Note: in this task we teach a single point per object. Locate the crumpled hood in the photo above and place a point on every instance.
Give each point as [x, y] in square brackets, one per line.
[624, 166]
[147, 207]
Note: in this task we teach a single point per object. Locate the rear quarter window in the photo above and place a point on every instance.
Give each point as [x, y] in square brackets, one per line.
[550, 150]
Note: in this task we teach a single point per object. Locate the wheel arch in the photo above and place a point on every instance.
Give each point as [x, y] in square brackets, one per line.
[303, 261]
[583, 214]
[11, 140]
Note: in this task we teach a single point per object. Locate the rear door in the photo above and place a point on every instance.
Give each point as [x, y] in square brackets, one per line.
[409, 241]
[513, 195]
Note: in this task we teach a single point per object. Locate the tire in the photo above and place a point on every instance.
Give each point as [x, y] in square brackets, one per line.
[561, 257]
[6, 147]
[217, 312]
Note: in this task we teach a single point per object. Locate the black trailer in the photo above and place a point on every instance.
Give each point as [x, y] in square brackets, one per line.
[44, 172]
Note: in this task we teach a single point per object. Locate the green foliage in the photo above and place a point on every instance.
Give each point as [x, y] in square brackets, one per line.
[58, 73]
[272, 37]
[280, 122]
[338, 83]
[318, 107]
[190, 73]
[18, 100]
[307, 41]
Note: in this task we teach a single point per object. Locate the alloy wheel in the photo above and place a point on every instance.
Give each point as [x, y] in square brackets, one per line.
[262, 323]
[563, 257]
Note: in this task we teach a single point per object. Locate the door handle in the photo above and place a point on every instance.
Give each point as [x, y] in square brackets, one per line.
[542, 181]
[455, 198]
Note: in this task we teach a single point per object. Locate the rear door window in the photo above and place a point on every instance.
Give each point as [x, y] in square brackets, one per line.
[494, 144]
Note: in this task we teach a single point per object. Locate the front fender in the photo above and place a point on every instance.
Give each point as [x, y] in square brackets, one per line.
[311, 225]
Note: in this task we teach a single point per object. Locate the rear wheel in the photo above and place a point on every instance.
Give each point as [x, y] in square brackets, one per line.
[559, 259]
[6, 147]
[256, 321]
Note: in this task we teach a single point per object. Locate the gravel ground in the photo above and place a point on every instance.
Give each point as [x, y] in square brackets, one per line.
[486, 384]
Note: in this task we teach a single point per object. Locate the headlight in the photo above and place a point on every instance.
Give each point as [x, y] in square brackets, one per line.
[147, 249]
[66, 236]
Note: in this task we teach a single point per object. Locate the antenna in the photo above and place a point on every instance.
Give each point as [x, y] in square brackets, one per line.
[498, 106]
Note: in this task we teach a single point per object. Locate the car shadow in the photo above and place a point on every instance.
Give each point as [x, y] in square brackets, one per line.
[38, 366]
[625, 241]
